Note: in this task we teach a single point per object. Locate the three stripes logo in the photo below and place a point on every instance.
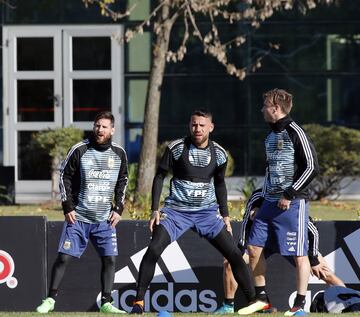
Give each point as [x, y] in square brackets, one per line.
[180, 270]
[345, 260]
[7, 268]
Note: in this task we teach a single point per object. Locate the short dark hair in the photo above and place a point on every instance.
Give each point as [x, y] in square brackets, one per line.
[105, 115]
[202, 112]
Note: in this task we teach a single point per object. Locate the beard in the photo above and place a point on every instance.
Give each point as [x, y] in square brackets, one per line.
[197, 141]
[103, 139]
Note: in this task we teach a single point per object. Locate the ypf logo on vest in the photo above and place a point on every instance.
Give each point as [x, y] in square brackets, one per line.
[7, 268]
[196, 299]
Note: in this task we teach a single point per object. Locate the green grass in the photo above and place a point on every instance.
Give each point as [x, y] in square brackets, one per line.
[28, 314]
[53, 213]
[319, 210]
[335, 210]
[325, 210]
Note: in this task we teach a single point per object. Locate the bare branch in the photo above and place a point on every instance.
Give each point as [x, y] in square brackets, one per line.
[252, 11]
[197, 32]
[106, 11]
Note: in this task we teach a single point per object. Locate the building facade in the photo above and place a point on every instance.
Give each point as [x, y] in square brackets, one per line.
[62, 63]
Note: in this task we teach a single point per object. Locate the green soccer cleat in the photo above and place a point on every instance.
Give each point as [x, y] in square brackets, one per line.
[108, 308]
[224, 309]
[48, 305]
[254, 307]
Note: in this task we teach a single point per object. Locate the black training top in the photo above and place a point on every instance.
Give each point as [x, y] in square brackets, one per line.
[91, 177]
[198, 180]
[291, 161]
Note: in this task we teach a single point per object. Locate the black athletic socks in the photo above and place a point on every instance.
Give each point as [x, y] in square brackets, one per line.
[53, 293]
[106, 298]
[299, 301]
[260, 293]
[229, 301]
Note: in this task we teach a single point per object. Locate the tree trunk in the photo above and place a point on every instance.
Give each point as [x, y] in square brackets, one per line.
[147, 163]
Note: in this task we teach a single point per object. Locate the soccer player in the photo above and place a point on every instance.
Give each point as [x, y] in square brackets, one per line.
[197, 192]
[318, 264]
[291, 166]
[93, 175]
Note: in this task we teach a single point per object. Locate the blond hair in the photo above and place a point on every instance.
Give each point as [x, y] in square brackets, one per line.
[281, 98]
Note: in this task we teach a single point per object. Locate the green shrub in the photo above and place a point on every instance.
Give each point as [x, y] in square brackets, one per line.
[56, 142]
[230, 165]
[131, 186]
[338, 150]
[5, 197]
[237, 209]
[249, 187]
[140, 209]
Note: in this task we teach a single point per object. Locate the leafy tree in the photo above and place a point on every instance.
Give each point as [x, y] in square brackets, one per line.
[190, 13]
[56, 142]
[338, 150]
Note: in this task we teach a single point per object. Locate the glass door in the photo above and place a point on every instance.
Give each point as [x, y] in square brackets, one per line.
[55, 76]
[92, 76]
[32, 96]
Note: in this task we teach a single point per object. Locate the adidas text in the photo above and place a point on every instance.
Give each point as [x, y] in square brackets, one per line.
[184, 300]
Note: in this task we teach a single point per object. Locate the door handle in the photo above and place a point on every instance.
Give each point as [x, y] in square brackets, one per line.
[57, 100]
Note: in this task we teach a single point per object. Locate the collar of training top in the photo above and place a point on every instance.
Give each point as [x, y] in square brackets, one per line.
[99, 147]
[281, 124]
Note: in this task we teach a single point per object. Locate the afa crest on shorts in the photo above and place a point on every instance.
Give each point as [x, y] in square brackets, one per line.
[67, 245]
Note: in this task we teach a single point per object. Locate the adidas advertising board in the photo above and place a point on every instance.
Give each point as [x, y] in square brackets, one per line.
[188, 276]
[184, 278]
[177, 285]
